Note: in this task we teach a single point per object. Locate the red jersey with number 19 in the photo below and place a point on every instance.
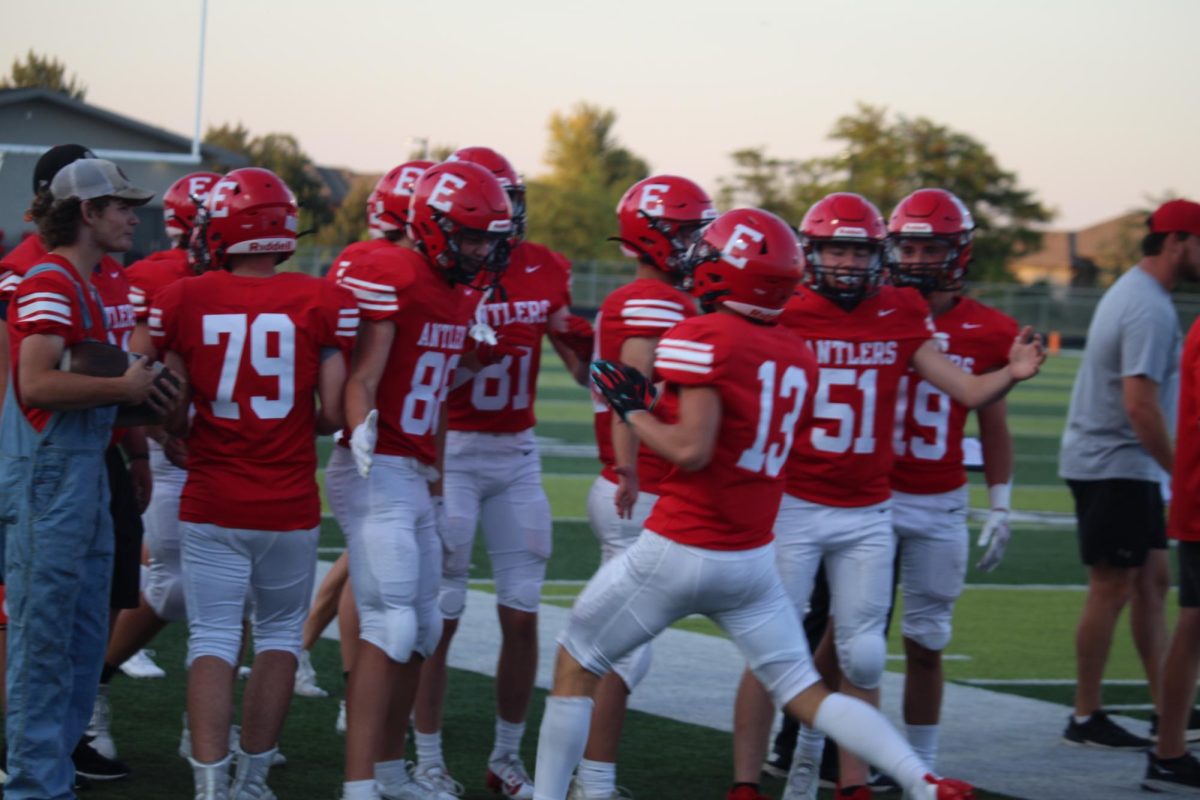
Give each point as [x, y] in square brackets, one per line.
[431, 319]
[253, 347]
[929, 424]
[764, 376]
[846, 457]
[642, 308]
[500, 398]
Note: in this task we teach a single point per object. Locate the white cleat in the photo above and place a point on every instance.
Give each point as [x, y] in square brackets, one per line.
[803, 780]
[577, 793]
[507, 777]
[306, 678]
[141, 665]
[436, 776]
[415, 788]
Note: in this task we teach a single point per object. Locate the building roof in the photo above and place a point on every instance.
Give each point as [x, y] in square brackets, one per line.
[172, 142]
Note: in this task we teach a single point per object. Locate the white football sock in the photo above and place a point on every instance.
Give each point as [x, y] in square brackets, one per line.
[810, 745]
[561, 742]
[389, 774]
[597, 778]
[508, 739]
[429, 749]
[924, 740]
[867, 733]
[359, 790]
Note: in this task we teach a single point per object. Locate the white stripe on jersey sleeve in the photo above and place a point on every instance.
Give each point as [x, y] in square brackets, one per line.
[62, 298]
[26, 309]
[659, 303]
[46, 315]
[359, 283]
[641, 315]
[682, 367]
[9, 281]
[683, 354]
[686, 344]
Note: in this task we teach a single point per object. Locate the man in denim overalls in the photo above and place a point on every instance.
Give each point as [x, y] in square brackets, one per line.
[53, 485]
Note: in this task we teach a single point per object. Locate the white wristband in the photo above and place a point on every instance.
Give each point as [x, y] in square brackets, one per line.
[1001, 495]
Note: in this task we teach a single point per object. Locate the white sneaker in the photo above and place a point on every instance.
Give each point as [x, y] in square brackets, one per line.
[100, 726]
[507, 777]
[415, 788]
[306, 678]
[803, 780]
[577, 793]
[340, 725]
[141, 665]
[436, 776]
[243, 673]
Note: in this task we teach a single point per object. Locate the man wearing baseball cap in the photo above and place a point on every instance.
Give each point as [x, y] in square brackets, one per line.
[54, 429]
[1116, 452]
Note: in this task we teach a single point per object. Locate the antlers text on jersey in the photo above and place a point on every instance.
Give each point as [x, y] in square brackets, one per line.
[833, 352]
[534, 312]
[443, 335]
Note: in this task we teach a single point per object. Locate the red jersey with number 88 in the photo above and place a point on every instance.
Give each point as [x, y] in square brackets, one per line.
[764, 376]
[501, 396]
[846, 457]
[431, 317]
[929, 424]
[253, 347]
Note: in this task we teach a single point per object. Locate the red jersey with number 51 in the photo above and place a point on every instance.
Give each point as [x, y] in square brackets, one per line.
[846, 457]
[501, 396]
[253, 348]
[929, 424]
[431, 319]
[642, 308]
[764, 376]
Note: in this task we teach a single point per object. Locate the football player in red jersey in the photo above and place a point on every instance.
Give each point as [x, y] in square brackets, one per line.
[387, 215]
[929, 248]
[658, 218]
[836, 506]
[493, 477]
[417, 306]
[741, 387]
[258, 348]
[161, 599]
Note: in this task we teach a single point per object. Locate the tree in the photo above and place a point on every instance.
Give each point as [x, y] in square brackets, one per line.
[43, 72]
[885, 159]
[349, 223]
[571, 207]
[281, 153]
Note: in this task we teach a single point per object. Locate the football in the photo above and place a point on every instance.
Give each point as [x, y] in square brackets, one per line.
[103, 360]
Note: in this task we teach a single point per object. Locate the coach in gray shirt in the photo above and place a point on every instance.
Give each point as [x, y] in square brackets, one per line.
[1116, 448]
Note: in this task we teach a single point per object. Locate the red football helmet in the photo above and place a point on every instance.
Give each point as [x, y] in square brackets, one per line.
[388, 206]
[461, 220]
[843, 236]
[747, 260]
[930, 216]
[499, 166]
[659, 218]
[183, 199]
[248, 212]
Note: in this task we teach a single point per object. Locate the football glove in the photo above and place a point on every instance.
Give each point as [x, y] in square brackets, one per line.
[362, 442]
[624, 388]
[511, 340]
[579, 336]
[994, 537]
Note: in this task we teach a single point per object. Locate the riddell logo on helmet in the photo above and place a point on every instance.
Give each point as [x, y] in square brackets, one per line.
[270, 246]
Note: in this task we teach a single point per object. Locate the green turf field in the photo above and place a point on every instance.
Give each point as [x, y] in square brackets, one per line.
[1015, 624]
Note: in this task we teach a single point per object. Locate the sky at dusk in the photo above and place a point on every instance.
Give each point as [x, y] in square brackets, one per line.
[1095, 105]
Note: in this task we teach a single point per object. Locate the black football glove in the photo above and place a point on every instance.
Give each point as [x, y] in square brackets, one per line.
[623, 387]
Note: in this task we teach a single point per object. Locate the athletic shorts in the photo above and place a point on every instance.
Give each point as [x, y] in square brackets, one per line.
[127, 533]
[1120, 520]
[1189, 574]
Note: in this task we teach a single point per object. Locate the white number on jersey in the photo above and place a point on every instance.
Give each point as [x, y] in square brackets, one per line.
[427, 392]
[930, 409]
[770, 458]
[492, 386]
[282, 366]
[844, 413]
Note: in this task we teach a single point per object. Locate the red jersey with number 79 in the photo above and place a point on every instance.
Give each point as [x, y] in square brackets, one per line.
[431, 318]
[764, 376]
[253, 348]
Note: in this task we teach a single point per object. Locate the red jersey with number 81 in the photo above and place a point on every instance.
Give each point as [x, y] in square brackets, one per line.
[846, 457]
[252, 347]
[501, 396]
[764, 376]
[642, 308]
[929, 424]
[431, 319]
